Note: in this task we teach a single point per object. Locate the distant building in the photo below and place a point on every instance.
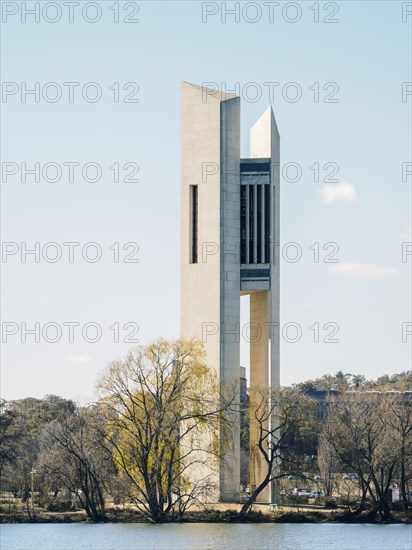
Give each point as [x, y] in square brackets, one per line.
[321, 397]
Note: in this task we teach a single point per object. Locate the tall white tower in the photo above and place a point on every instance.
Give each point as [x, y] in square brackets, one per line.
[229, 248]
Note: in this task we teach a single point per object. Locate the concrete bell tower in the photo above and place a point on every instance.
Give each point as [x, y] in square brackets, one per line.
[229, 247]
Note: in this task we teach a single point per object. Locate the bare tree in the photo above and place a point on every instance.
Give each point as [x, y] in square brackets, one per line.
[164, 423]
[327, 463]
[358, 429]
[400, 421]
[75, 458]
[278, 413]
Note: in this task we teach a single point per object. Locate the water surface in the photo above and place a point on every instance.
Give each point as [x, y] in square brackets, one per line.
[199, 536]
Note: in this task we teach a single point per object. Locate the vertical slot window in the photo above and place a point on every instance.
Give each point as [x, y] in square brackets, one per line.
[194, 217]
[243, 206]
[251, 224]
[267, 223]
[259, 223]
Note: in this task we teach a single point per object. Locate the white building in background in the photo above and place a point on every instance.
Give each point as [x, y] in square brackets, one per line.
[229, 231]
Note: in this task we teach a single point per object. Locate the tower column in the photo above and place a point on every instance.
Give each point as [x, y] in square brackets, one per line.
[259, 382]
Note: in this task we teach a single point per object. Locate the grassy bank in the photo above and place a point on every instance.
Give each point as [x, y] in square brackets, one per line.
[211, 515]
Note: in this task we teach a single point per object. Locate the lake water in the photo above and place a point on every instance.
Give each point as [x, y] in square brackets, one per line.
[198, 536]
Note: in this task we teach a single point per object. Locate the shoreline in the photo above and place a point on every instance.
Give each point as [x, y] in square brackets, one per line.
[207, 516]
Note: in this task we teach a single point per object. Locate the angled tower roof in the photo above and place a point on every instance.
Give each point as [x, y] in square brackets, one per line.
[264, 135]
[210, 92]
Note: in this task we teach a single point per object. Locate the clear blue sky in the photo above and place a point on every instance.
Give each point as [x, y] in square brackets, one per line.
[367, 213]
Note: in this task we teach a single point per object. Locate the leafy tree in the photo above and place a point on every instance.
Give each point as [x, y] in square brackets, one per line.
[345, 381]
[8, 438]
[164, 420]
[30, 417]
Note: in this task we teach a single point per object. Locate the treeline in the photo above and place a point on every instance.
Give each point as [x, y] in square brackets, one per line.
[345, 381]
[161, 416]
